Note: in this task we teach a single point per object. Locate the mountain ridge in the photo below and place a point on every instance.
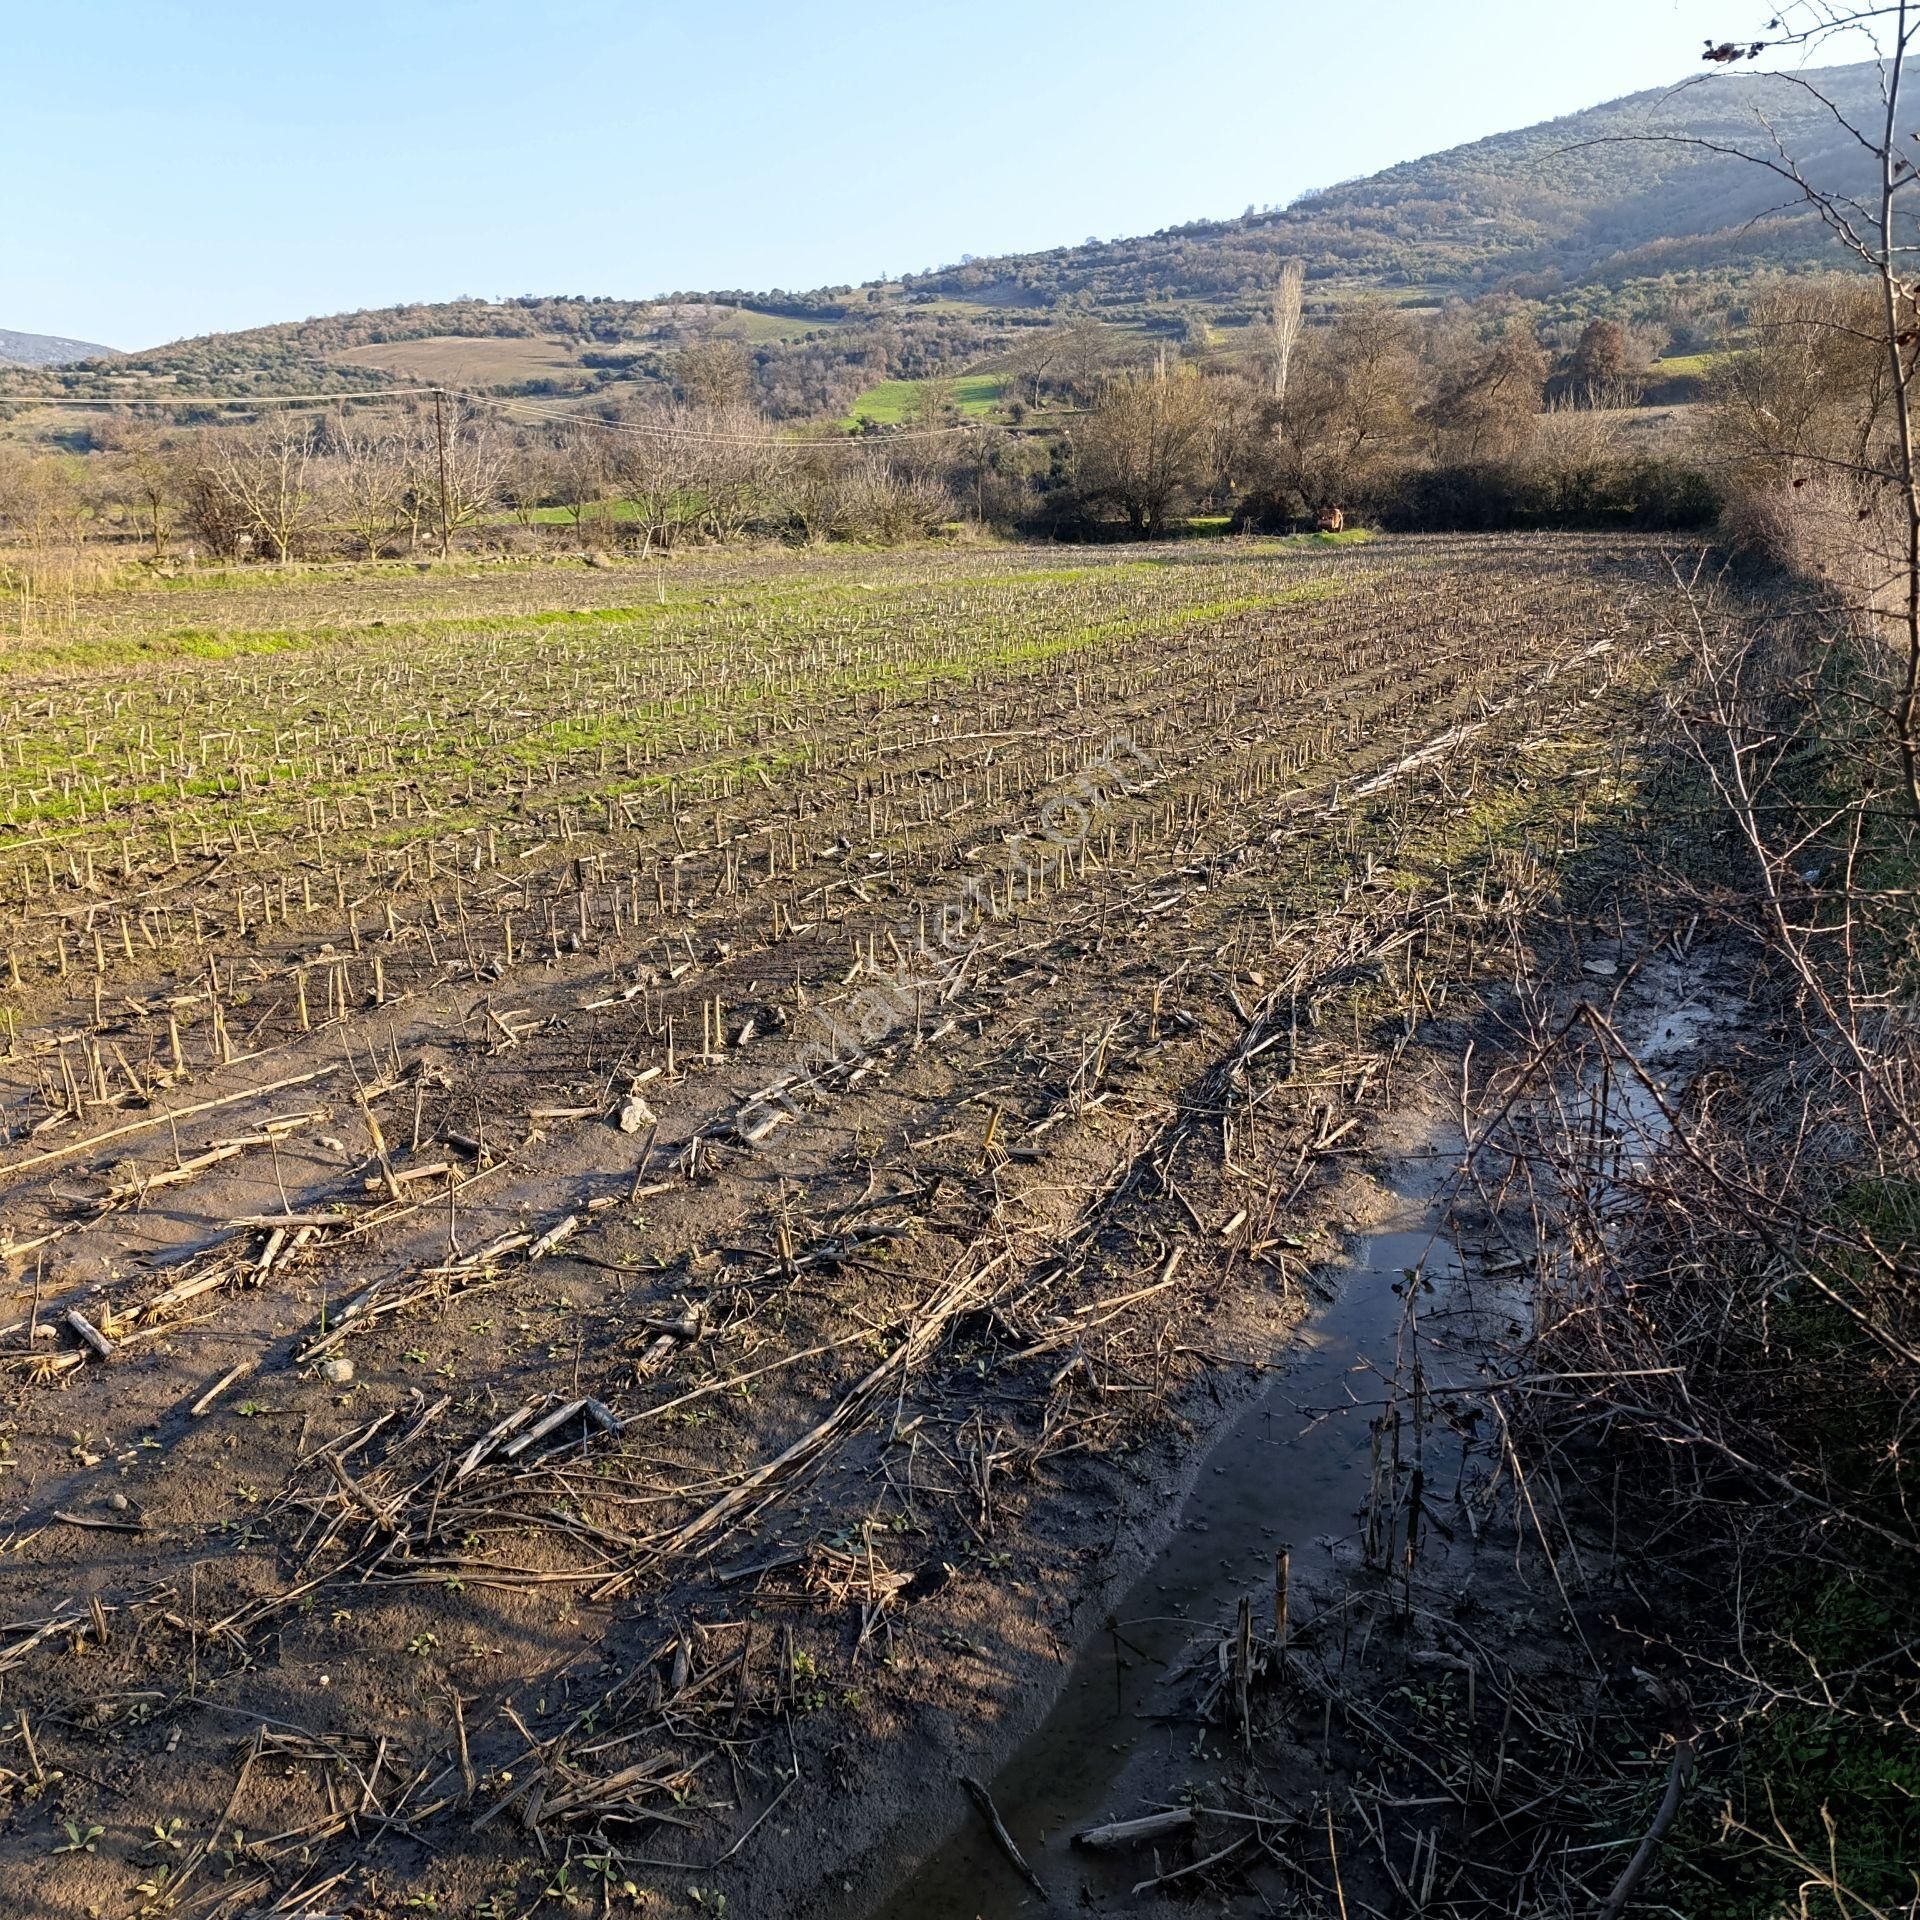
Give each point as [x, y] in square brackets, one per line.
[1638, 192]
[1615, 208]
[48, 349]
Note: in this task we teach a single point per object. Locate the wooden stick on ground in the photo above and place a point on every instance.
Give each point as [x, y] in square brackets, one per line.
[83, 1329]
[1198, 1866]
[1129, 1833]
[1002, 1838]
[204, 1404]
[1635, 1868]
[159, 1119]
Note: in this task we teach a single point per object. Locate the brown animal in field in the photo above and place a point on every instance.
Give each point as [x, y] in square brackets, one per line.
[1329, 520]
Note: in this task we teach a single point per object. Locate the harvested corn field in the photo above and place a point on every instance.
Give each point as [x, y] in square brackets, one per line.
[619, 1219]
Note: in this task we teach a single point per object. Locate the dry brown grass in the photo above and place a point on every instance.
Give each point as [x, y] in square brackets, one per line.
[454, 361]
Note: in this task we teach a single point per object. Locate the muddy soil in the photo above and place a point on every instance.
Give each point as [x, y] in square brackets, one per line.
[476, 1460]
[1364, 1628]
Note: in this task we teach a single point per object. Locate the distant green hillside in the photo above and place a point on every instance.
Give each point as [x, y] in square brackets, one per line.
[344, 350]
[806, 355]
[1600, 198]
[46, 349]
[1605, 210]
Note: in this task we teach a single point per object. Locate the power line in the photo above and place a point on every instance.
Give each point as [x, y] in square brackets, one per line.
[210, 399]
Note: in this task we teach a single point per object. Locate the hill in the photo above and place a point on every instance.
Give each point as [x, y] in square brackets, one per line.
[46, 350]
[1599, 199]
[1615, 209]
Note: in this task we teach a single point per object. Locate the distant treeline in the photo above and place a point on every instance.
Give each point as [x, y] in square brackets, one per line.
[1458, 419]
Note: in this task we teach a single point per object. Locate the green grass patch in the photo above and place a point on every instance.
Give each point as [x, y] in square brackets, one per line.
[759, 329]
[615, 512]
[686, 592]
[889, 403]
[1685, 366]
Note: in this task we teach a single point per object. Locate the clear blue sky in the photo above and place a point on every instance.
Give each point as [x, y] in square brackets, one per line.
[177, 168]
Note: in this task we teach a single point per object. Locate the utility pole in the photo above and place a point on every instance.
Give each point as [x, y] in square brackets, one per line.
[440, 443]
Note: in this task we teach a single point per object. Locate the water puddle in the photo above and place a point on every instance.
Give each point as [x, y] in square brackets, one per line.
[1290, 1472]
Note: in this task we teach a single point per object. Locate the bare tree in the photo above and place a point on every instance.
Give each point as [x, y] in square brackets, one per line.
[217, 519]
[419, 498]
[1239, 430]
[714, 373]
[654, 469]
[580, 474]
[46, 512]
[737, 463]
[145, 477]
[808, 491]
[43, 503]
[471, 459]
[1034, 359]
[252, 485]
[1349, 405]
[888, 499]
[934, 404]
[1486, 396]
[1086, 354]
[1873, 225]
[1809, 392]
[527, 482]
[367, 476]
[1145, 446]
[1284, 326]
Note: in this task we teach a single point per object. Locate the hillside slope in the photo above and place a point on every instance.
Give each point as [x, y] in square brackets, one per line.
[46, 350]
[1608, 195]
[1635, 206]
